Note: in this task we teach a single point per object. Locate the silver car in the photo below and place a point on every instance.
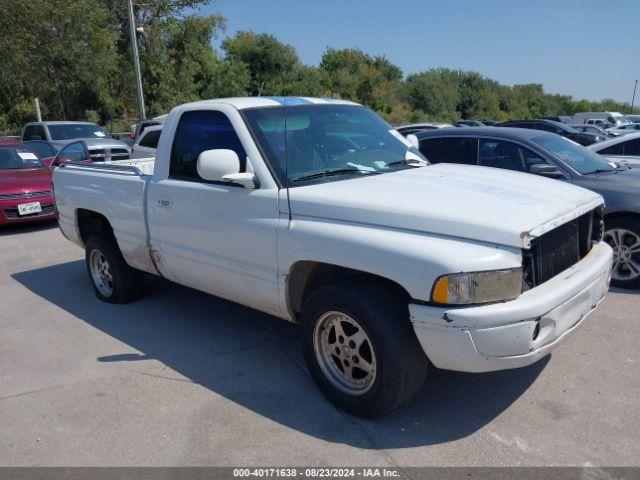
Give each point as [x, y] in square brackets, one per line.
[102, 146]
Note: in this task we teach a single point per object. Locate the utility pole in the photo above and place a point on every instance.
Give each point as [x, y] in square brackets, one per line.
[634, 95]
[38, 113]
[136, 59]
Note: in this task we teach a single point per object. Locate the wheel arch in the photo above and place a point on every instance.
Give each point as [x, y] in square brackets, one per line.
[620, 214]
[305, 276]
[90, 222]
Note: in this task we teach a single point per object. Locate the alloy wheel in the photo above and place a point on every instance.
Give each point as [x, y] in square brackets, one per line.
[101, 273]
[626, 253]
[345, 353]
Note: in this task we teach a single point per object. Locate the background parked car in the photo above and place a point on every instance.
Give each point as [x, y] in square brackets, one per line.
[558, 128]
[469, 123]
[596, 118]
[625, 129]
[624, 148]
[598, 130]
[102, 146]
[25, 185]
[553, 156]
[568, 119]
[43, 149]
[633, 118]
[147, 143]
[418, 127]
[138, 128]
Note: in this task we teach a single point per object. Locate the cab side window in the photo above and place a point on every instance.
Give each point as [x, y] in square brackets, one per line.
[150, 139]
[507, 155]
[34, 132]
[198, 131]
[450, 150]
[632, 147]
[613, 149]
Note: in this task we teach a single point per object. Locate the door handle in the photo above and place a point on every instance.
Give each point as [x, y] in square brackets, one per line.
[164, 202]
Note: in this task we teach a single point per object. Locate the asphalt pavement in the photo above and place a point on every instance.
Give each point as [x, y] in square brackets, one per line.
[181, 378]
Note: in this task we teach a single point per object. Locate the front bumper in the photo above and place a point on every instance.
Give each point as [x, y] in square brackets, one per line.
[502, 335]
[9, 210]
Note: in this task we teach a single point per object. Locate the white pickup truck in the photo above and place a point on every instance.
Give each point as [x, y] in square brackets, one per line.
[318, 212]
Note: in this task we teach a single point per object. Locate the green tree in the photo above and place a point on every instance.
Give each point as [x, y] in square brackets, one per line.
[435, 94]
[269, 62]
[59, 51]
[182, 66]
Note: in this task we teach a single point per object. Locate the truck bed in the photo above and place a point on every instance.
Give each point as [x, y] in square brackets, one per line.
[115, 190]
[145, 165]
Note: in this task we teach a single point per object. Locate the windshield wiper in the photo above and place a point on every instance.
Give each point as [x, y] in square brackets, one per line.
[329, 173]
[601, 170]
[408, 161]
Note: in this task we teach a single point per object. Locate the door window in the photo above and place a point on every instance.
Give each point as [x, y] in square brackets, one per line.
[450, 150]
[632, 147]
[616, 149]
[150, 139]
[198, 131]
[507, 155]
[34, 132]
[74, 152]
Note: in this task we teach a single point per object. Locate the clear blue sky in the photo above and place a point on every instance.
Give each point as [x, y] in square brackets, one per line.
[585, 48]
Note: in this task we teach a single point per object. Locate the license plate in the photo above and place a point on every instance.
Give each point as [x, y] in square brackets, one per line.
[29, 208]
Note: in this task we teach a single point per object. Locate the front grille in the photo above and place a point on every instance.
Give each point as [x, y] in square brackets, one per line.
[119, 154]
[14, 196]
[104, 154]
[560, 248]
[12, 213]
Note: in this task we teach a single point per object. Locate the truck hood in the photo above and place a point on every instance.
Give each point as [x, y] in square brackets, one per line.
[22, 181]
[478, 203]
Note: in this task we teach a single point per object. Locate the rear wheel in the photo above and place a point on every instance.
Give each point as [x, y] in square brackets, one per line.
[113, 279]
[360, 348]
[623, 235]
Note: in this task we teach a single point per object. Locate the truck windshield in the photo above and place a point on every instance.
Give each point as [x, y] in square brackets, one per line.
[68, 131]
[328, 142]
[580, 159]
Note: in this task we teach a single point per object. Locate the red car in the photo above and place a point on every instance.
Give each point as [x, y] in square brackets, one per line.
[25, 185]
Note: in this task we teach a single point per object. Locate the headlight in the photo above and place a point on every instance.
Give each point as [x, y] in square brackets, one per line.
[477, 287]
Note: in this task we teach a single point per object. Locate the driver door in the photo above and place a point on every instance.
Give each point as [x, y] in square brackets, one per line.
[213, 236]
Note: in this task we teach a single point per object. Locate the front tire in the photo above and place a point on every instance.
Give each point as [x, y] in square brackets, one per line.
[623, 235]
[360, 348]
[113, 280]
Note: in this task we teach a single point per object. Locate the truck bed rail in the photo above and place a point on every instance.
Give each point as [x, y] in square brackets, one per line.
[105, 167]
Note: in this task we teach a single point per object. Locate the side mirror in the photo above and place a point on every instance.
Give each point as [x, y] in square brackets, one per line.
[115, 136]
[546, 170]
[222, 165]
[59, 161]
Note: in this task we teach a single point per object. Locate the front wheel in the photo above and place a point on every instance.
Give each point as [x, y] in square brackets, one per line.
[623, 235]
[360, 348]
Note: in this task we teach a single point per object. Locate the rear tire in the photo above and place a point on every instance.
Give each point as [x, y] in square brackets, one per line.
[113, 279]
[360, 348]
[623, 235]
